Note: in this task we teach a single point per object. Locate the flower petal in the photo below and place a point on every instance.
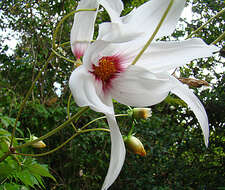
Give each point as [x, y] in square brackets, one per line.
[94, 52]
[142, 22]
[113, 32]
[146, 17]
[117, 153]
[164, 56]
[87, 92]
[139, 87]
[196, 106]
[83, 27]
[114, 8]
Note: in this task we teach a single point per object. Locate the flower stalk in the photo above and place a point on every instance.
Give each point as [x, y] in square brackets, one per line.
[64, 143]
[68, 111]
[75, 117]
[56, 53]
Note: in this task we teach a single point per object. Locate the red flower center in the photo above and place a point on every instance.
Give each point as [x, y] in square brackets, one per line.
[107, 69]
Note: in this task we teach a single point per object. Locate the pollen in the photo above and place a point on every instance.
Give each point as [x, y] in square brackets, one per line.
[106, 69]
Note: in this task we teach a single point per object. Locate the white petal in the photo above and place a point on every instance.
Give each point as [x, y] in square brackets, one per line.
[142, 22]
[139, 87]
[117, 153]
[163, 56]
[94, 52]
[196, 106]
[83, 26]
[146, 17]
[87, 92]
[115, 32]
[113, 7]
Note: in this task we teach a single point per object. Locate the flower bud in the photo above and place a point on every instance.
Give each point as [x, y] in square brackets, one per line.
[134, 145]
[140, 113]
[39, 144]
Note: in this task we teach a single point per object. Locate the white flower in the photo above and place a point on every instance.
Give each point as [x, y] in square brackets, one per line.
[107, 73]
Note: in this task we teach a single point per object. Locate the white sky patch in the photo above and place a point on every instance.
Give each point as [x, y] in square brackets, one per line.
[13, 37]
[58, 88]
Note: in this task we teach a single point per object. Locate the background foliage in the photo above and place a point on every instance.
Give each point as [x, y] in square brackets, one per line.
[176, 155]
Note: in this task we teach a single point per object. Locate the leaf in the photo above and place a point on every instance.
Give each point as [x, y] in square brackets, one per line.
[4, 133]
[8, 121]
[27, 178]
[5, 169]
[12, 186]
[41, 170]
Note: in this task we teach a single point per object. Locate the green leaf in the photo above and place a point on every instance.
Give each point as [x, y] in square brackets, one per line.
[5, 169]
[4, 132]
[12, 186]
[41, 170]
[8, 121]
[26, 177]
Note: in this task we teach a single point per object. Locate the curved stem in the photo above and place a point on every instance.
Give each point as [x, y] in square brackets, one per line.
[218, 14]
[154, 33]
[63, 144]
[56, 53]
[103, 117]
[75, 117]
[68, 111]
[131, 130]
[64, 44]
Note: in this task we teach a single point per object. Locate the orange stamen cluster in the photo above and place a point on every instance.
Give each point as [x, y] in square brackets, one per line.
[106, 69]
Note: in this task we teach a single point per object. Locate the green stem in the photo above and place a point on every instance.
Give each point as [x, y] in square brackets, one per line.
[27, 96]
[75, 117]
[61, 21]
[218, 14]
[64, 44]
[68, 111]
[63, 144]
[56, 53]
[154, 33]
[221, 37]
[103, 117]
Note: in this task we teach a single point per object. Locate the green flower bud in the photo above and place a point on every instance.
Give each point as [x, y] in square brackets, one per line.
[134, 145]
[39, 144]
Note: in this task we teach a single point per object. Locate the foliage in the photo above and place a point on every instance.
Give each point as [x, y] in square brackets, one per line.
[176, 156]
[18, 172]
